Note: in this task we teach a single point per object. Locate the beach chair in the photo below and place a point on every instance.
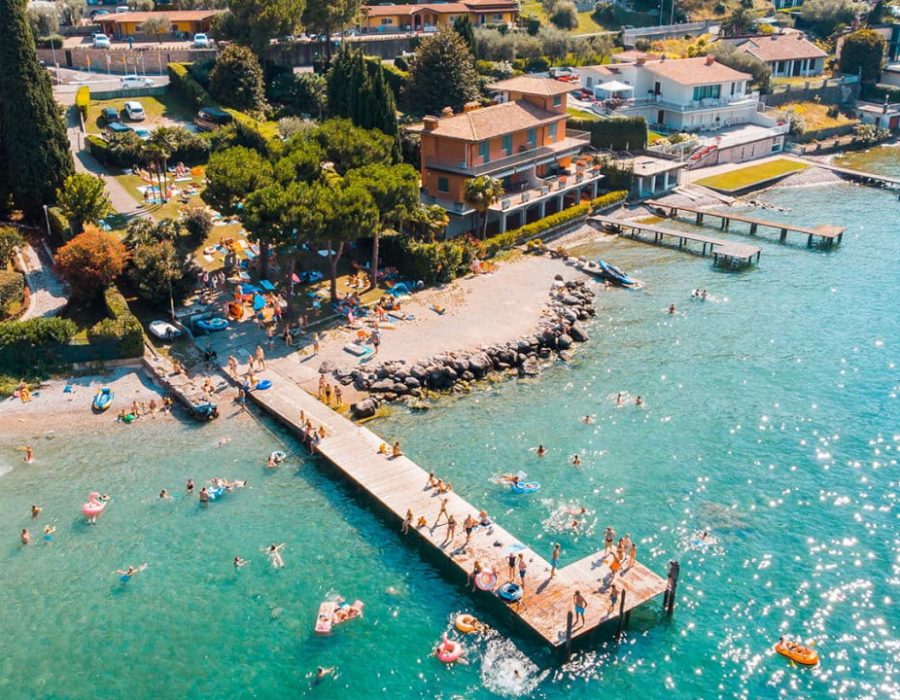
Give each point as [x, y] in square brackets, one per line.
[268, 286]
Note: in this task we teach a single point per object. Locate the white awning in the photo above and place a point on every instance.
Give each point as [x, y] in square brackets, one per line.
[615, 86]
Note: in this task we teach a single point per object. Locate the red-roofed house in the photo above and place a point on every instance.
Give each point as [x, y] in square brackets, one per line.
[522, 141]
[430, 16]
[787, 54]
[130, 23]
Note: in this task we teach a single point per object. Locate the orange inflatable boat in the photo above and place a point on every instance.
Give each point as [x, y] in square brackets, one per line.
[797, 652]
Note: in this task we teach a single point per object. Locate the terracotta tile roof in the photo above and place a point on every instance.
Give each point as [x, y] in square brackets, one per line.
[493, 121]
[608, 71]
[633, 55]
[174, 15]
[546, 87]
[694, 71]
[782, 47]
[444, 8]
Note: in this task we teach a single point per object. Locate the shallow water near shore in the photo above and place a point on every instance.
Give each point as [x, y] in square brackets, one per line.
[771, 421]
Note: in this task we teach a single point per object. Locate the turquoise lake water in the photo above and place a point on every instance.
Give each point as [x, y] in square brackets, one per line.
[771, 420]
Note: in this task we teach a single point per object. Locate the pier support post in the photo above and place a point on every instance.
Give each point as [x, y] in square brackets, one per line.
[809, 241]
[671, 587]
[752, 229]
[570, 618]
[783, 235]
[620, 626]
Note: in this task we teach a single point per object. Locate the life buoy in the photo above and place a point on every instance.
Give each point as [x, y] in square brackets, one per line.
[486, 580]
[448, 651]
[468, 623]
[510, 592]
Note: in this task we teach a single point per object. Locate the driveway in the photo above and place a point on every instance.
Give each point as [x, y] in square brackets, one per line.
[48, 293]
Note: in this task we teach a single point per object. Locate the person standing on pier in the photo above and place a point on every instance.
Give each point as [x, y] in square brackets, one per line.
[580, 607]
[407, 521]
[451, 528]
[523, 569]
[610, 538]
[632, 554]
[554, 560]
[443, 511]
[468, 525]
[511, 563]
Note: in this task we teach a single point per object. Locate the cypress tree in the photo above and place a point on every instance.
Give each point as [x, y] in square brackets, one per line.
[339, 83]
[35, 148]
[442, 74]
[359, 89]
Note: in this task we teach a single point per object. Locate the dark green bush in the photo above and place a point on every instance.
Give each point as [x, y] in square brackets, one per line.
[29, 346]
[183, 82]
[442, 261]
[400, 63]
[618, 133]
[59, 224]
[121, 327]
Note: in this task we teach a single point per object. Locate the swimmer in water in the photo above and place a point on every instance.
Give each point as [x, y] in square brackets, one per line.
[165, 495]
[587, 420]
[127, 574]
[576, 461]
[322, 672]
[48, 533]
[540, 451]
[639, 401]
[671, 309]
[29, 454]
[36, 511]
[510, 478]
[238, 563]
[274, 553]
[619, 399]
[190, 486]
[25, 537]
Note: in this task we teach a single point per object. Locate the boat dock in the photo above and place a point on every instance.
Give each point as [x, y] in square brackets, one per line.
[859, 176]
[828, 235]
[394, 485]
[725, 252]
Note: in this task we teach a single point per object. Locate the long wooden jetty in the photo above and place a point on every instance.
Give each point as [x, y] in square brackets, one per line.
[726, 252]
[396, 484]
[858, 175]
[827, 234]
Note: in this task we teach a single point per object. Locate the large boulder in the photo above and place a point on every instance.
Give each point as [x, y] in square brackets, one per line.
[564, 342]
[530, 368]
[364, 409]
[578, 333]
[480, 364]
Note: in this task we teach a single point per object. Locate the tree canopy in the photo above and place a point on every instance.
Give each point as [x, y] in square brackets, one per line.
[826, 15]
[91, 262]
[442, 74]
[34, 147]
[236, 79]
[325, 16]
[358, 91]
[730, 56]
[255, 23]
[83, 198]
[232, 174]
[480, 193]
[863, 52]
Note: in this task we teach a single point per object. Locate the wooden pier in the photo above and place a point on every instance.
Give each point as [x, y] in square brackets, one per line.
[398, 484]
[829, 235]
[864, 178]
[180, 385]
[725, 252]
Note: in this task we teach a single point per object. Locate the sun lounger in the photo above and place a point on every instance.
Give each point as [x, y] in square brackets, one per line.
[268, 286]
[358, 350]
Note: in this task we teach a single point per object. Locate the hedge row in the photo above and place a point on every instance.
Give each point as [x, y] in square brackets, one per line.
[520, 235]
[394, 77]
[31, 346]
[59, 224]
[617, 133]
[83, 101]
[185, 83]
[12, 286]
[438, 262]
[871, 91]
[121, 327]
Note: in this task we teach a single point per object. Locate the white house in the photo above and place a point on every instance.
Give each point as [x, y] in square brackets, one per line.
[788, 55]
[688, 94]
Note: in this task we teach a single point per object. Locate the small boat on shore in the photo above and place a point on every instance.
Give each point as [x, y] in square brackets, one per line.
[212, 325]
[103, 399]
[614, 274]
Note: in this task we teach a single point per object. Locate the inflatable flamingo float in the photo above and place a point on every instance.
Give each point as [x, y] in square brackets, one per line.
[94, 507]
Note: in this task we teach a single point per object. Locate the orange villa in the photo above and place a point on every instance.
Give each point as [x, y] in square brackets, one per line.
[430, 16]
[130, 23]
[522, 141]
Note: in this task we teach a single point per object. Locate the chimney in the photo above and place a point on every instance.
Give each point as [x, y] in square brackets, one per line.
[446, 112]
[431, 123]
[470, 106]
[710, 59]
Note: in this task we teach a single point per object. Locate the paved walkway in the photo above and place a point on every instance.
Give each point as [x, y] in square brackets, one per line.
[121, 200]
[48, 293]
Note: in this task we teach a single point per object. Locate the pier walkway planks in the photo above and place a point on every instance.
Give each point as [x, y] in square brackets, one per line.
[827, 233]
[398, 484]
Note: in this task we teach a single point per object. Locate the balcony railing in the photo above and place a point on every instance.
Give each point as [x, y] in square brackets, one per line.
[695, 105]
[574, 141]
[541, 188]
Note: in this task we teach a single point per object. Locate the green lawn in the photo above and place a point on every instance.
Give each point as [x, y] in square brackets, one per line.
[160, 110]
[580, 114]
[586, 24]
[742, 178]
[170, 209]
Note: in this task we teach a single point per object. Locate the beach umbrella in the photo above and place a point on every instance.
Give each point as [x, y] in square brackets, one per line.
[258, 302]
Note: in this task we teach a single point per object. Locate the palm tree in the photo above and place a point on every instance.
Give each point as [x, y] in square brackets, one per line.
[164, 141]
[480, 193]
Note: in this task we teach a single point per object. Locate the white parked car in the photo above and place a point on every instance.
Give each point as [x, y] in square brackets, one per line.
[135, 111]
[122, 9]
[136, 81]
[201, 41]
[101, 41]
[164, 330]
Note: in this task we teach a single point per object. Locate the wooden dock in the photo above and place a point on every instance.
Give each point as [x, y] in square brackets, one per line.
[725, 252]
[827, 234]
[188, 390]
[859, 176]
[398, 484]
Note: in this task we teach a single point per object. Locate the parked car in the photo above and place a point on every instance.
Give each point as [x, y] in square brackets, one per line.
[110, 115]
[101, 41]
[211, 118]
[122, 9]
[142, 133]
[98, 13]
[118, 128]
[201, 41]
[164, 330]
[135, 111]
[136, 81]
